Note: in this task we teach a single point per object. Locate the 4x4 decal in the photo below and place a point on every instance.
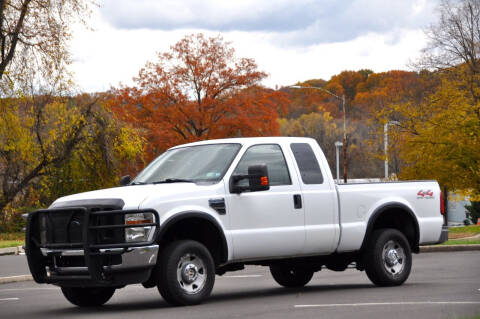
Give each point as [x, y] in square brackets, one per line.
[425, 194]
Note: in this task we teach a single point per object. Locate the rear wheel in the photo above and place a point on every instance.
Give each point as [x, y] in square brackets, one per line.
[389, 258]
[186, 273]
[289, 276]
[88, 297]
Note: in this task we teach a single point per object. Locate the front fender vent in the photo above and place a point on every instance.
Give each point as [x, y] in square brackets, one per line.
[219, 205]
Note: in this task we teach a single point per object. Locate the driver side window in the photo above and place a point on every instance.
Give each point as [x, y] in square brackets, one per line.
[272, 156]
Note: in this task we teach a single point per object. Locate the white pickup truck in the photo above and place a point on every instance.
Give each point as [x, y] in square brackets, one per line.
[211, 207]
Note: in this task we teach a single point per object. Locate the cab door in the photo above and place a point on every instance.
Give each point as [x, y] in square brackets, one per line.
[322, 228]
[267, 223]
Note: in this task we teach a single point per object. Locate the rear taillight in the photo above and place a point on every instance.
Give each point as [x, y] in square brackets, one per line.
[442, 204]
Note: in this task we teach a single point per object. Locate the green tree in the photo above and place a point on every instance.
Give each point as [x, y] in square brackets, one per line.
[439, 133]
[51, 146]
[440, 137]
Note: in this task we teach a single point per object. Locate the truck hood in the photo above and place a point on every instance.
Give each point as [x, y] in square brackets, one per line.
[133, 195]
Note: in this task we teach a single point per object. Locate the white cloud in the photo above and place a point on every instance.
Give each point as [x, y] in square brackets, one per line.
[311, 21]
[111, 54]
[371, 51]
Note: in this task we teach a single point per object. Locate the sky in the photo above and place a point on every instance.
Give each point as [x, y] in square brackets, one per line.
[291, 40]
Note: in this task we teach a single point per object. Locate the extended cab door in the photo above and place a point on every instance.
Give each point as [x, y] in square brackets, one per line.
[267, 223]
[322, 228]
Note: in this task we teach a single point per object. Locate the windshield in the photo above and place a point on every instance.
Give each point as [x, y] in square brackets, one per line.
[202, 163]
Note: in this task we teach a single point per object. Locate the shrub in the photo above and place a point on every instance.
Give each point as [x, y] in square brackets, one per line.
[474, 211]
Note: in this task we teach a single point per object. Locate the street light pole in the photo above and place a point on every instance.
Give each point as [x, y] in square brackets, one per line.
[385, 140]
[337, 145]
[344, 141]
[342, 98]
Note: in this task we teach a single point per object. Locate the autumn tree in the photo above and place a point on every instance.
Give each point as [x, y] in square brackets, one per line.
[379, 92]
[439, 136]
[454, 43]
[396, 86]
[319, 125]
[347, 83]
[306, 101]
[52, 146]
[53, 141]
[34, 37]
[108, 149]
[454, 39]
[198, 90]
[326, 130]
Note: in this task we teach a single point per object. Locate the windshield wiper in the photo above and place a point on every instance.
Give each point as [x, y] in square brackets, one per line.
[174, 180]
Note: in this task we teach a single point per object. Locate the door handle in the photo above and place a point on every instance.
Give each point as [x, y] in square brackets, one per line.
[297, 201]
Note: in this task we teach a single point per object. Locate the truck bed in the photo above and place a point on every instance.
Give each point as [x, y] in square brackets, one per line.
[359, 201]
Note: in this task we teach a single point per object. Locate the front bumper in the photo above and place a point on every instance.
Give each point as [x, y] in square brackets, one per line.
[131, 259]
[94, 260]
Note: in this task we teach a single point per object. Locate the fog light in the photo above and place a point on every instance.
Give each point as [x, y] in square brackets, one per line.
[138, 234]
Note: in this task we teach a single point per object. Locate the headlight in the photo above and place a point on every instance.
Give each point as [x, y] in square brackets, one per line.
[133, 234]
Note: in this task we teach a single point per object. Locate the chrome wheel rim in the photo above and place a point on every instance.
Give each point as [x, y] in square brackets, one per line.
[394, 258]
[191, 273]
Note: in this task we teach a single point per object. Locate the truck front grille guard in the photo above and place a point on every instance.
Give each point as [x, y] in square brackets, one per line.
[93, 250]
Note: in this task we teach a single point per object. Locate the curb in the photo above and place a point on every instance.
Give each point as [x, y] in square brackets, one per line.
[7, 280]
[11, 251]
[445, 248]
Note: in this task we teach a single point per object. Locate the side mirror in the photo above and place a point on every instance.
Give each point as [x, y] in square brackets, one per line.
[257, 180]
[125, 180]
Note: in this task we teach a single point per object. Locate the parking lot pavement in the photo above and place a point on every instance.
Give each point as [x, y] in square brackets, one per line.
[442, 285]
[13, 265]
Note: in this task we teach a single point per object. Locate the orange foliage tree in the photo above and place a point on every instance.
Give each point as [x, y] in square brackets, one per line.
[198, 90]
[306, 101]
[386, 88]
[346, 83]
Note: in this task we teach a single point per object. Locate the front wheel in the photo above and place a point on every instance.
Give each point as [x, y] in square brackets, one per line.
[290, 277]
[186, 273]
[388, 258]
[88, 297]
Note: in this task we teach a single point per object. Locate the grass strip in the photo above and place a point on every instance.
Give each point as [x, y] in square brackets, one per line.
[462, 242]
[464, 231]
[11, 243]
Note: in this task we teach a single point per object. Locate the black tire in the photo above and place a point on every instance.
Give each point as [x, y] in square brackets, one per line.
[388, 258]
[88, 297]
[186, 273]
[290, 277]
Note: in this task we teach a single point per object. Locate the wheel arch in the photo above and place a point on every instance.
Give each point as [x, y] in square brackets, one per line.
[397, 216]
[196, 225]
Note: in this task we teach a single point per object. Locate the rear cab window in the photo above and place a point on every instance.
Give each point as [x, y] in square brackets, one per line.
[307, 163]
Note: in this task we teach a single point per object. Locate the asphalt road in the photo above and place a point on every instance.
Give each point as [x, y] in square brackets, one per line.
[442, 285]
[12, 265]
